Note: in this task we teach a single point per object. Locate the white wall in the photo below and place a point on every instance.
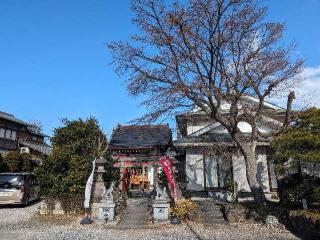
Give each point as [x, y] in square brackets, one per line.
[263, 173]
[243, 126]
[239, 171]
[194, 170]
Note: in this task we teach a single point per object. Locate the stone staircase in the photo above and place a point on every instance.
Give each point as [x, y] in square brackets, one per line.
[135, 215]
[210, 212]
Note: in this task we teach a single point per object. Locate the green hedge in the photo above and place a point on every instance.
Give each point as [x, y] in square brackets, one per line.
[294, 188]
[17, 162]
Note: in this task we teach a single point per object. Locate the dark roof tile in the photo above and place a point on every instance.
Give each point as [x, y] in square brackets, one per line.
[136, 136]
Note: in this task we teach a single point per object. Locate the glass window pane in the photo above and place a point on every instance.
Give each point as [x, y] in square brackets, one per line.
[211, 172]
[13, 135]
[8, 134]
[224, 170]
[2, 132]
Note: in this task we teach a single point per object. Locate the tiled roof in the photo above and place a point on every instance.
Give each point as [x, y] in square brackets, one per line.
[33, 129]
[12, 118]
[39, 147]
[145, 136]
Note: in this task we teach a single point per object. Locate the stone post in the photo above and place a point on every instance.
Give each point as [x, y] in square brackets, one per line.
[161, 204]
[103, 204]
[161, 210]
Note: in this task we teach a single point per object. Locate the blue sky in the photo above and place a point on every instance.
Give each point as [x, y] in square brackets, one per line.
[54, 63]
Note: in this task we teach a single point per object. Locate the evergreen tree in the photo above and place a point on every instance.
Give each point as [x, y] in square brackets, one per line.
[300, 142]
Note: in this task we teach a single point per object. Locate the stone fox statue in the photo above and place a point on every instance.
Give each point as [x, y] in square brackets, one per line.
[107, 193]
[161, 194]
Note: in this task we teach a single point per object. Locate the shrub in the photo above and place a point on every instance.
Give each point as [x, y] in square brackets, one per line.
[182, 208]
[18, 162]
[311, 217]
[3, 165]
[294, 188]
[184, 191]
[75, 145]
[69, 203]
[27, 163]
[14, 161]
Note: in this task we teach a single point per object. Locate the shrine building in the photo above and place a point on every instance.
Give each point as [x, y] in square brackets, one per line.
[137, 151]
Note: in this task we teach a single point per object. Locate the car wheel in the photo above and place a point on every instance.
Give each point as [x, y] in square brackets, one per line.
[26, 201]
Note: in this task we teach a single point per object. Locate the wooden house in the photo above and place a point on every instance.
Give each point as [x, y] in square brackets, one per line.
[17, 135]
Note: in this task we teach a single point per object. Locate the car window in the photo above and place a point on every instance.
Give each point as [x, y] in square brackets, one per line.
[32, 180]
[10, 179]
[26, 180]
[35, 180]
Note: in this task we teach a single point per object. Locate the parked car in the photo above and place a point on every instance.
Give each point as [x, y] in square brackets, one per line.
[18, 188]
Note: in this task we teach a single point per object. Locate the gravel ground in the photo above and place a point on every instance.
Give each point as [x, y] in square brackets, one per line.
[22, 223]
[13, 214]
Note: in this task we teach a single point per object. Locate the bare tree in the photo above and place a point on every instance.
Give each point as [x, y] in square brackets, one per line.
[206, 53]
[36, 125]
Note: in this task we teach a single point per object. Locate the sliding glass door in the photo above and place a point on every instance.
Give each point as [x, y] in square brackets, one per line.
[217, 169]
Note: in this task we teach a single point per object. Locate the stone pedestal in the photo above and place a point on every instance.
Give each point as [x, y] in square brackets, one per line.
[161, 210]
[103, 212]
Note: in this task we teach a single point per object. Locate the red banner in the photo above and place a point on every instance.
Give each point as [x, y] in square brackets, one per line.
[166, 164]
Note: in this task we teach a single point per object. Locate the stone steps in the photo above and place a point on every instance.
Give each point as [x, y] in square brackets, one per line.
[135, 215]
[210, 213]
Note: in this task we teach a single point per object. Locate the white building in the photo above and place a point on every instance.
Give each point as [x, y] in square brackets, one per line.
[211, 160]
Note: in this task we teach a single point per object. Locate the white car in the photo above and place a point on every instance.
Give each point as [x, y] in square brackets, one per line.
[18, 188]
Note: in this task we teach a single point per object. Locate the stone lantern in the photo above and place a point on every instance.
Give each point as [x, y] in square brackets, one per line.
[99, 186]
[103, 204]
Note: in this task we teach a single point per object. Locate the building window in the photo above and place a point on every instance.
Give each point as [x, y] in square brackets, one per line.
[217, 171]
[2, 132]
[13, 135]
[8, 134]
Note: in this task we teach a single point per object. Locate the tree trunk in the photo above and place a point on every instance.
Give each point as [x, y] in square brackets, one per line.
[248, 151]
